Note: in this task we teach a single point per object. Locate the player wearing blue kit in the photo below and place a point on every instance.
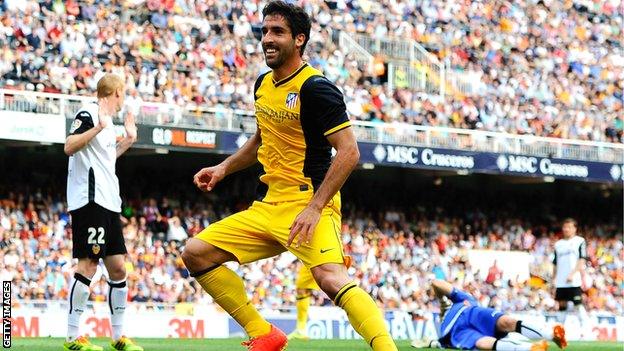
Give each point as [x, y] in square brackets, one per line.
[467, 326]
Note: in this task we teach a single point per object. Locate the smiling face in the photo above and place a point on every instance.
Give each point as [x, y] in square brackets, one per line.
[278, 43]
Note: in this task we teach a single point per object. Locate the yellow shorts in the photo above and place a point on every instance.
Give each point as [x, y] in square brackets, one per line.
[262, 231]
[305, 280]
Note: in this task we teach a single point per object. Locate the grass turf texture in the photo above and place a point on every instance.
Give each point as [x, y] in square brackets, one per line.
[55, 344]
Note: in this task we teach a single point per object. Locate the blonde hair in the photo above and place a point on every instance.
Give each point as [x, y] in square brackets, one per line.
[108, 85]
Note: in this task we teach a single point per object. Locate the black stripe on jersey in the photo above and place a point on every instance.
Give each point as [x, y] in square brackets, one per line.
[81, 123]
[91, 185]
[583, 250]
[290, 77]
[322, 108]
[555, 258]
[258, 83]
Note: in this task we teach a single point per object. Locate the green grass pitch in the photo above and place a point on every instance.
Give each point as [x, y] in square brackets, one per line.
[55, 344]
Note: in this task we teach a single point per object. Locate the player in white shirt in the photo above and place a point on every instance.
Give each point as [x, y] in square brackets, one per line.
[94, 203]
[569, 260]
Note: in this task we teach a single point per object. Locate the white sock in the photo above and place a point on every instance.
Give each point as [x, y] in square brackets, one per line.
[507, 344]
[117, 297]
[533, 331]
[582, 314]
[78, 296]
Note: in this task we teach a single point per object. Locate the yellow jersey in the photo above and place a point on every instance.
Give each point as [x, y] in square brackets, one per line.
[295, 115]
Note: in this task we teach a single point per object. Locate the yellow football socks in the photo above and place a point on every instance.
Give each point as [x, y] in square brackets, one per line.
[227, 289]
[365, 317]
[303, 304]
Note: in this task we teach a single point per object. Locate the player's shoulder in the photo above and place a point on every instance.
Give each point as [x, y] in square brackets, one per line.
[319, 86]
[260, 79]
[88, 111]
[578, 239]
[317, 80]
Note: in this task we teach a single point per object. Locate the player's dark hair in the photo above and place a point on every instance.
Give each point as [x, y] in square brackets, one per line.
[570, 220]
[298, 20]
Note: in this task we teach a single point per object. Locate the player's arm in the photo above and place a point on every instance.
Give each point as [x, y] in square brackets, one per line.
[131, 135]
[347, 157]
[445, 289]
[82, 131]
[328, 111]
[245, 157]
[441, 288]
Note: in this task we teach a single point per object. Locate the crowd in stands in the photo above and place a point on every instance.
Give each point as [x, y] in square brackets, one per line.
[547, 68]
[395, 255]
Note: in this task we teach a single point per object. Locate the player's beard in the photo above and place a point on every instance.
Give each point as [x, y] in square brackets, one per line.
[282, 54]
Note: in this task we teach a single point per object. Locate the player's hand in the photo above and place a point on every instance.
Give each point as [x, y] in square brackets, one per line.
[569, 278]
[131, 128]
[208, 177]
[304, 225]
[105, 121]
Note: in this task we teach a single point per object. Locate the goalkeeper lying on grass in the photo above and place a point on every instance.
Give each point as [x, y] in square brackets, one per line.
[466, 325]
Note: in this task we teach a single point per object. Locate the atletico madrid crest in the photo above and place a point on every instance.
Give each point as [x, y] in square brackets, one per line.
[291, 100]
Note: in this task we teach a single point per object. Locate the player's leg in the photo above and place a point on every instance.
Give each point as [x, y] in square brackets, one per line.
[84, 221]
[114, 261]
[324, 255]
[508, 324]
[78, 296]
[241, 238]
[304, 285]
[364, 315]
[579, 308]
[204, 262]
[117, 300]
[508, 344]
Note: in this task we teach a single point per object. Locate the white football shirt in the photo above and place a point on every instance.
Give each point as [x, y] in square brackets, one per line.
[91, 171]
[567, 254]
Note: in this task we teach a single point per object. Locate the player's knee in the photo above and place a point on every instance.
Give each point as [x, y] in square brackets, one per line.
[195, 256]
[117, 273]
[330, 278]
[485, 343]
[87, 267]
[188, 257]
[506, 324]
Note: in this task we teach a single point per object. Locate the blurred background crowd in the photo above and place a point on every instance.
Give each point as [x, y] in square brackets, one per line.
[542, 67]
[395, 253]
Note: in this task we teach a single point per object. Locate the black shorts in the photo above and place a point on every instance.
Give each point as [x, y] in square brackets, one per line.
[573, 294]
[96, 232]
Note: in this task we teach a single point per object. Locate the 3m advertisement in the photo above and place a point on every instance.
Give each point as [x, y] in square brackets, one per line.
[487, 162]
[324, 323]
[26, 126]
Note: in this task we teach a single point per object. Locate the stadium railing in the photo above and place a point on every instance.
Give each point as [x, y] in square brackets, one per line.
[225, 119]
[410, 64]
[362, 57]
